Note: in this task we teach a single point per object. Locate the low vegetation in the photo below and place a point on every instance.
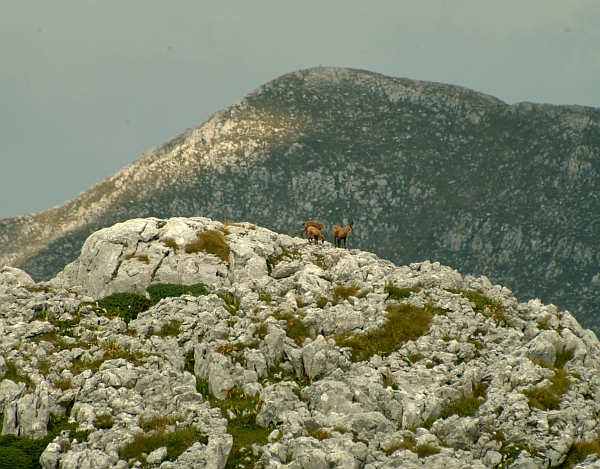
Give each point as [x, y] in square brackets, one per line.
[579, 451]
[127, 305]
[396, 293]
[405, 322]
[295, 328]
[409, 443]
[241, 410]
[20, 452]
[548, 398]
[169, 329]
[211, 242]
[176, 440]
[104, 421]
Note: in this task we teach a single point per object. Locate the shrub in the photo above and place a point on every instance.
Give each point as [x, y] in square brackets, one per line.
[125, 305]
[211, 242]
[405, 322]
[14, 458]
[158, 291]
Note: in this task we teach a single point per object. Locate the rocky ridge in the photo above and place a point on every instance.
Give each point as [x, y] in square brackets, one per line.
[267, 369]
[427, 170]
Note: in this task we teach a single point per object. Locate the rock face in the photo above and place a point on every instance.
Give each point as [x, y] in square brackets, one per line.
[274, 350]
[505, 191]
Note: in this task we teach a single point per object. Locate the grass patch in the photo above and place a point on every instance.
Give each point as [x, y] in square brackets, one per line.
[159, 291]
[396, 293]
[467, 406]
[156, 422]
[176, 441]
[579, 451]
[104, 421]
[171, 328]
[20, 452]
[211, 242]
[416, 357]
[319, 433]
[548, 398]
[341, 293]
[409, 443]
[231, 305]
[63, 383]
[13, 374]
[295, 328]
[562, 357]
[264, 297]
[405, 322]
[171, 243]
[112, 351]
[242, 427]
[125, 305]
[486, 306]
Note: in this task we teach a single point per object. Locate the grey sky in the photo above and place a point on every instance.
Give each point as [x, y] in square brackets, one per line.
[86, 87]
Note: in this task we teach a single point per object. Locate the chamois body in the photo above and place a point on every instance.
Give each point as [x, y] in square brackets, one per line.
[340, 233]
[314, 233]
[309, 223]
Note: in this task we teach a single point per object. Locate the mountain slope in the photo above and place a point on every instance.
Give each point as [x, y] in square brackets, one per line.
[459, 177]
[278, 353]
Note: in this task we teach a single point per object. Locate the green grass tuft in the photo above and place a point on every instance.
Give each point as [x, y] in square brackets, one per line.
[159, 291]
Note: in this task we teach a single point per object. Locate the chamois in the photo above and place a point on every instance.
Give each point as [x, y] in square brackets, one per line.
[340, 233]
[308, 223]
[314, 233]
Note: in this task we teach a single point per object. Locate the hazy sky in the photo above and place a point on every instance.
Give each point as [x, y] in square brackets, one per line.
[87, 86]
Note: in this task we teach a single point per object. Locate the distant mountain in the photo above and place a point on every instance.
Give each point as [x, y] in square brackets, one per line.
[457, 176]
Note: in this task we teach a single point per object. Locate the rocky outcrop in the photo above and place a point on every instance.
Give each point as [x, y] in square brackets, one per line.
[275, 348]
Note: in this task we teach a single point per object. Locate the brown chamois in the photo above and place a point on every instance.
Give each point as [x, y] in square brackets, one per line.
[314, 233]
[308, 223]
[340, 233]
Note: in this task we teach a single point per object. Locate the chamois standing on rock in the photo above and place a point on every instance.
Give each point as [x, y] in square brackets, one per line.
[340, 233]
[315, 233]
[308, 224]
